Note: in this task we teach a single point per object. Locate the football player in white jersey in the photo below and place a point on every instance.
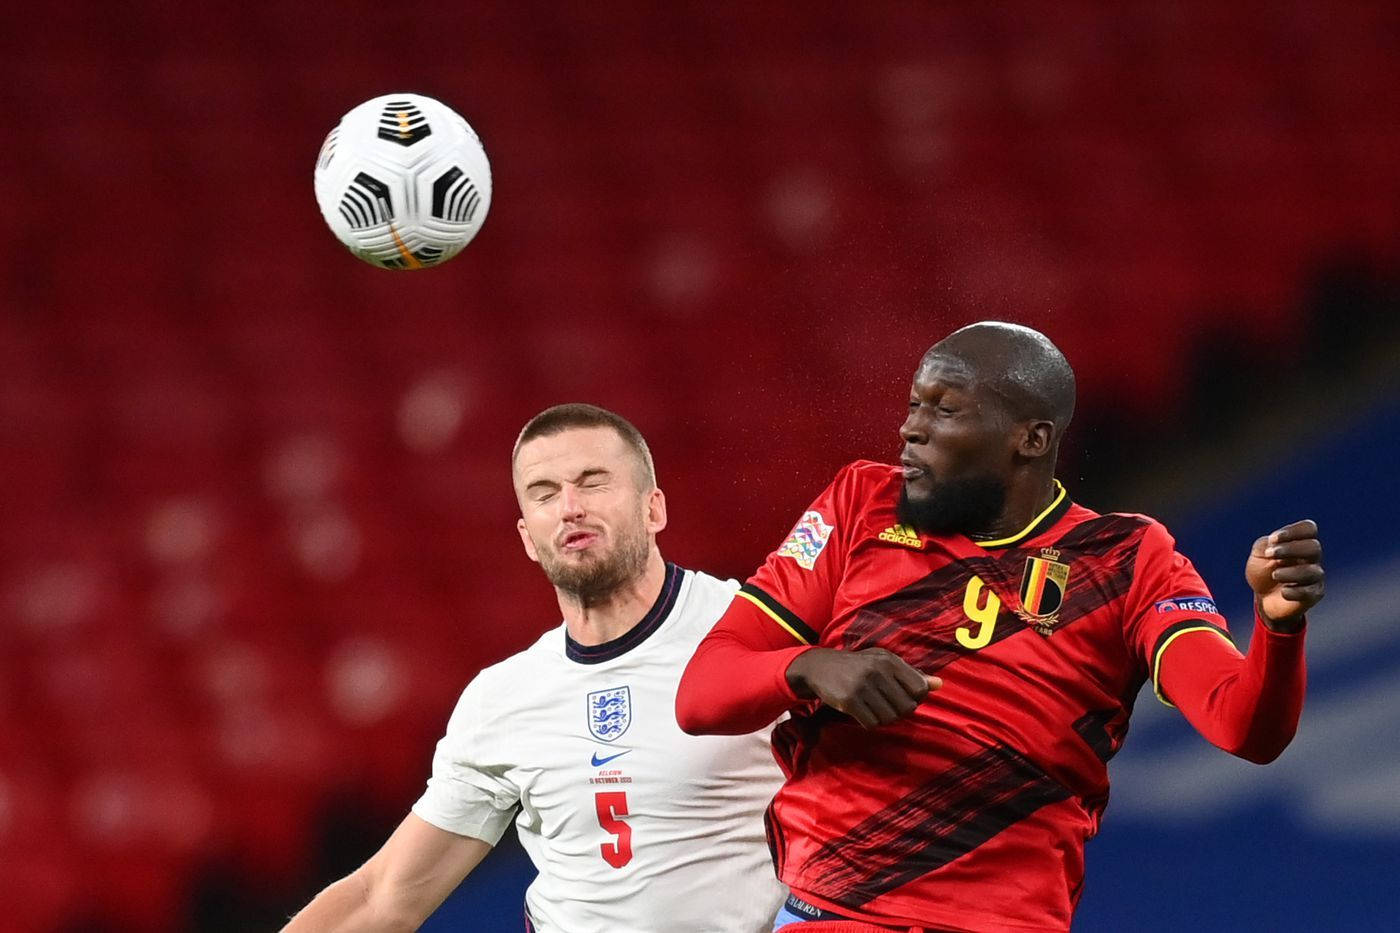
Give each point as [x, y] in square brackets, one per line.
[634, 826]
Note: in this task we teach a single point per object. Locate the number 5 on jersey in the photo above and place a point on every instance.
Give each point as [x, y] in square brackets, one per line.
[611, 806]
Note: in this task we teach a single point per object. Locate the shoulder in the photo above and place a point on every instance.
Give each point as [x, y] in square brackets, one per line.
[867, 474]
[1137, 545]
[1131, 528]
[492, 701]
[862, 493]
[1146, 529]
[856, 486]
[544, 650]
[705, 598]
[702, 582]
[521, 667]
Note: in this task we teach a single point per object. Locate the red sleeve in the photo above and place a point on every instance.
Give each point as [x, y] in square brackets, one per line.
[1247, 706]
[737, 680]
[1168, 599]
[796, 586]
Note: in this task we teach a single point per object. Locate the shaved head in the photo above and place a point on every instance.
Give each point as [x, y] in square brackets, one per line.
[987, 408]
[1019, 365]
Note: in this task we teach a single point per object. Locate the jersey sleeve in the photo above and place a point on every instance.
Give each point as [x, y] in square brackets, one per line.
[466, 794]
[1168, 599]
[736, 682]
[796, 586]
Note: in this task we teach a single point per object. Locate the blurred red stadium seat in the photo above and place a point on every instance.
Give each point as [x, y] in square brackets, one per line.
[257, 515]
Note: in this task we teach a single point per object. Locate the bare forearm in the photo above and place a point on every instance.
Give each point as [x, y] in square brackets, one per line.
[399, 886]
[347, 906]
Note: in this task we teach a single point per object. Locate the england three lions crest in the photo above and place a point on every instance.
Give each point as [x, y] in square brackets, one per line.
[609, 712]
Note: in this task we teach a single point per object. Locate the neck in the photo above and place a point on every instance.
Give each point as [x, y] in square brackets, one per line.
[1026, 498]
[616, 614]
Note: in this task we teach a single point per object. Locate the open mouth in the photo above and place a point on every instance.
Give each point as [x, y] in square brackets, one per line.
[912, 469]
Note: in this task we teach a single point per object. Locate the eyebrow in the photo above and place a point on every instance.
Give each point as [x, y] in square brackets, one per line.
[583, 475]
[961, 383]
[953, 370]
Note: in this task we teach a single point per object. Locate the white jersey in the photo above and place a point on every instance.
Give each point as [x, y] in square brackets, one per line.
[634, 826]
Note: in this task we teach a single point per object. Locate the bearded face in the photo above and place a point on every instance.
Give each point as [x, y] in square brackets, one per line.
[589, 563]
[965, 505]
[588, 511]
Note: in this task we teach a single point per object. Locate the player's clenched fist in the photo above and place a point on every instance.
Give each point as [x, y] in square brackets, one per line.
[1285, 571]
[872, 686]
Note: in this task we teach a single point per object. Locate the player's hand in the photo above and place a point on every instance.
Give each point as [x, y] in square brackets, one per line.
[872, 686]
[1285, 571]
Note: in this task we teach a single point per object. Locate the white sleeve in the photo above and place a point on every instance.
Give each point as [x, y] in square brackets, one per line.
[469, 792]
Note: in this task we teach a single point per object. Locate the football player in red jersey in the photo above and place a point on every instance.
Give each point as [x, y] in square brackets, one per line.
[968, 570]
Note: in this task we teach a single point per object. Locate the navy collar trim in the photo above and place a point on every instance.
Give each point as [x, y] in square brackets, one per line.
[665, 602]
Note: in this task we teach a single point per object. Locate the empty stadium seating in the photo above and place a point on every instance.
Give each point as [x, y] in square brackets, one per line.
[257, 524]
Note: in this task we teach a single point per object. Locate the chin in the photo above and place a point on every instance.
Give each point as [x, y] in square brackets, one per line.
[916, 493]
[919, 493]
[964, 505]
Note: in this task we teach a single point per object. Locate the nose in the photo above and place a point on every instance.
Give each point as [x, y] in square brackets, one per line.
[570, 503]
[913, 430]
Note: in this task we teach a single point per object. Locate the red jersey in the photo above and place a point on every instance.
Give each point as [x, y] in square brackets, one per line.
[973, 811]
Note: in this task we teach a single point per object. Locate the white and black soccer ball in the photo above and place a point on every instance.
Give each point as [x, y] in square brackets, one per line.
[403, 181]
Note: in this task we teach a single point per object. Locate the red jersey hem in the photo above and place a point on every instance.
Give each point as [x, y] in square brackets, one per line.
[942, 923]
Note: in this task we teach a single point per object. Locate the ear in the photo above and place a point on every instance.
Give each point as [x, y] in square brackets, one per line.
[530, 551]
[1037, 439]
[655, 511]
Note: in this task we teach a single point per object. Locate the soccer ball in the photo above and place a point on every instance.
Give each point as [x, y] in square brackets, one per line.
[403, 182]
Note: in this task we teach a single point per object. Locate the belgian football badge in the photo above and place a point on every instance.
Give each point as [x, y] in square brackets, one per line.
[1043, 590]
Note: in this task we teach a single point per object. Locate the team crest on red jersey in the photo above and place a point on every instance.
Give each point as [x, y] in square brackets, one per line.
[1043, 590]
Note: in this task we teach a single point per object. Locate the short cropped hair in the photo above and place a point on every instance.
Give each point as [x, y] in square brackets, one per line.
[561, 418]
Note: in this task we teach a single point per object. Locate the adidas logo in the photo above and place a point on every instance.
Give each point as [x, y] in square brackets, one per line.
[902, 534]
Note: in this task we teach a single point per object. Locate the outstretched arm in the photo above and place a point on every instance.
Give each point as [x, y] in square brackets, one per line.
[1250, 705]
[399, 886]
